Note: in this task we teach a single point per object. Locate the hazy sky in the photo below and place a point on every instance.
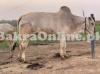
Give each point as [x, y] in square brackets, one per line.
[12, 9]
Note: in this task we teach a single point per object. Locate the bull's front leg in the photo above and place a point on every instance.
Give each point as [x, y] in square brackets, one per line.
[63, 46]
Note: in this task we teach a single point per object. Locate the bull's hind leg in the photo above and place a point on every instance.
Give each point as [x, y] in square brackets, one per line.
[24, 30]
[63, 46]
[23, 45]
[12, 45]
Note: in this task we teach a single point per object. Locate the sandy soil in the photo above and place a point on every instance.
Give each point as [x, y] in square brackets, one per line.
[43, 59]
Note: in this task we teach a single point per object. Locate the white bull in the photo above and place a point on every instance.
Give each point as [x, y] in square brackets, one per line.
[63, 21]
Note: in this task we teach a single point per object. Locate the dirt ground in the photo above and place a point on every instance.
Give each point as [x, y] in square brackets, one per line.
[43, 59]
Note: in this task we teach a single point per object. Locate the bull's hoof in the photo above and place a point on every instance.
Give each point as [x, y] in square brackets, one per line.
[58, 55]
[10, 57]
[63, 57]
[21, 60]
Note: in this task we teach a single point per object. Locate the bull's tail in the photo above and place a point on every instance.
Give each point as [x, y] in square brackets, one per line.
[18, 24]
[14, 46]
